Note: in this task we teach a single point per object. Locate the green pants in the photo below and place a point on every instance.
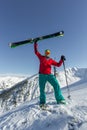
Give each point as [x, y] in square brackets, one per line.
[43, 78]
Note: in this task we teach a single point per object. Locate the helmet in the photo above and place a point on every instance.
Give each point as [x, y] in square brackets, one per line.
[47, 52]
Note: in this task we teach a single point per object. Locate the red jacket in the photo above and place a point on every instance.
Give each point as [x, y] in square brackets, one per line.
[45, 63]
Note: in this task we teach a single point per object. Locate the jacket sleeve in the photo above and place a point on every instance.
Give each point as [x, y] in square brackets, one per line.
[58, 64]
[36, 50]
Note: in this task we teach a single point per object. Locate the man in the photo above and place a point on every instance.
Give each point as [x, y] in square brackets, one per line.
[45, 75]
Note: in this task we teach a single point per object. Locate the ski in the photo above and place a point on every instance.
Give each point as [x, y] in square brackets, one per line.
[32, 40]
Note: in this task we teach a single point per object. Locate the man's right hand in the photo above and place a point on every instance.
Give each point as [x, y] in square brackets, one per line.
[35, 41]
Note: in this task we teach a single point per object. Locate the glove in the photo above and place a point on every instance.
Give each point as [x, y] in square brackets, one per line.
[35, 41]
[63, 58]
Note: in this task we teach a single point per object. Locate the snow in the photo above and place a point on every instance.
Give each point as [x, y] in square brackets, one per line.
[19, 109]
[9, 81]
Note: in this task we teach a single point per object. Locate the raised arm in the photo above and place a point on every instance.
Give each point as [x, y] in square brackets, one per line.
[36, 49]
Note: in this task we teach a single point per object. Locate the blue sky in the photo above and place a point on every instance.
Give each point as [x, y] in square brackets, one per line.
[24, 19]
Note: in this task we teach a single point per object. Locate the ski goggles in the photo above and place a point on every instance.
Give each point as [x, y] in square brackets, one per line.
[47, 52]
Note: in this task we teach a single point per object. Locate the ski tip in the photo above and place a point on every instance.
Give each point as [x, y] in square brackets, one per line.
[11, 45]
[61, 33]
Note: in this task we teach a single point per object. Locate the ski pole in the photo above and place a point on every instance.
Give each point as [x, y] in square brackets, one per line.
[55, 71]
[66, 80]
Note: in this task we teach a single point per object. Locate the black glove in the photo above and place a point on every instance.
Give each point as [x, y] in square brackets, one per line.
[63, 58]
[35, 40]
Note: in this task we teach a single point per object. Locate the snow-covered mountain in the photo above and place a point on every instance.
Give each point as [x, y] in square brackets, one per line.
[7, 81]
[19, 108]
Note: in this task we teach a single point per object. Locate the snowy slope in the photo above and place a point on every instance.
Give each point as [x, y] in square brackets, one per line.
[26, 114]
[29, 117]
